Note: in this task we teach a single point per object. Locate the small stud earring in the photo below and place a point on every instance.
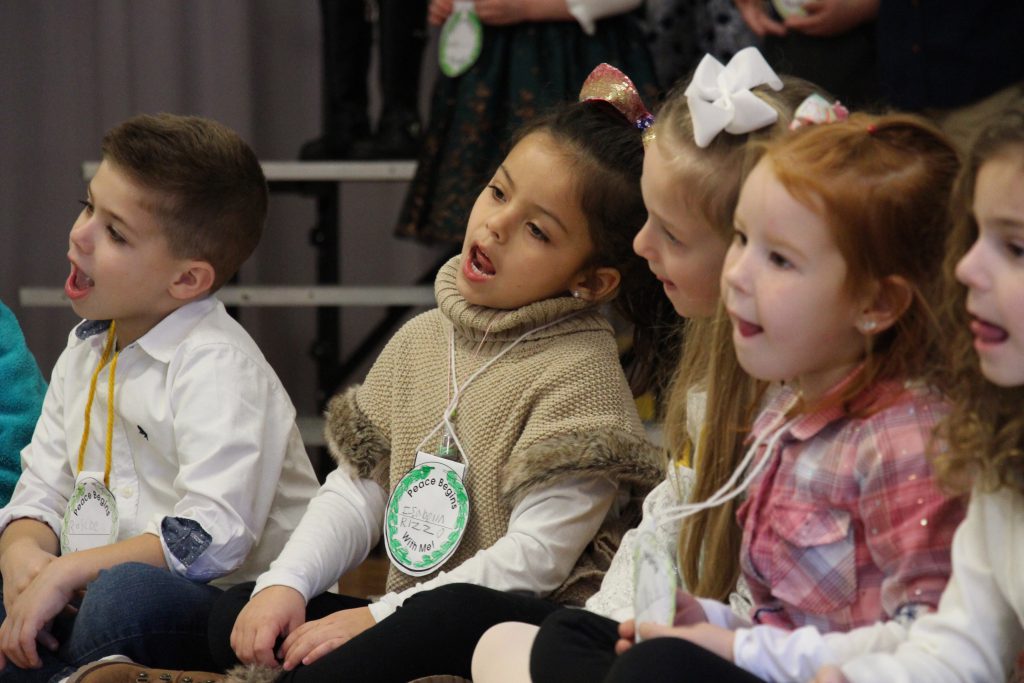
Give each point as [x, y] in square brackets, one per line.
[576, 294]
[867, 325]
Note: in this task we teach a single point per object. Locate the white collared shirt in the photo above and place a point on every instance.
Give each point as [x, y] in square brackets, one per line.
[206, 454]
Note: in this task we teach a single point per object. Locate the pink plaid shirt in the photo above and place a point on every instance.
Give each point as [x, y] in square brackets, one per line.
[846, 525]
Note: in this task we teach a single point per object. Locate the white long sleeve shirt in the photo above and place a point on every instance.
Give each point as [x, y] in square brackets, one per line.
[978, 629]
[206, 454]
[547, 531]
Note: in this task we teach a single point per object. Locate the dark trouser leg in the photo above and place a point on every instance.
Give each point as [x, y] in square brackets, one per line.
[573, 645]
[346, 58]
[402, 39]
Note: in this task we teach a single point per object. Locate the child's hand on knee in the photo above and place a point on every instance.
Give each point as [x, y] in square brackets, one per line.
[688, 610]
[29, 617]
[314, 639]
[19, 567]
[273, 612]
[627, 636]
[710, 637]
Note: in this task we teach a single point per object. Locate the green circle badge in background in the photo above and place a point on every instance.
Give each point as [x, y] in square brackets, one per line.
[461, 39]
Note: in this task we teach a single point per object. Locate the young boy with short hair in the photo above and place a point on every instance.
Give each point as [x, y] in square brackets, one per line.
[167, 457]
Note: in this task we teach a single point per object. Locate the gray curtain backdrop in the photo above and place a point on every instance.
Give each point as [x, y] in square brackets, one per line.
[71, 69]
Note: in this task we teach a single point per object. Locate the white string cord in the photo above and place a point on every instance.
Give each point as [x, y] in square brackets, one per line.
[730, 489]
[458, 390]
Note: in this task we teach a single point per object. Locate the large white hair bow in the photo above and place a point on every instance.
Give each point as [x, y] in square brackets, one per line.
[720, 98]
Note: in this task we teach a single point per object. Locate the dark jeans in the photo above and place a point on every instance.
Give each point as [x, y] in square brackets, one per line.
[434, 632]
[579, 646]
[133, 609]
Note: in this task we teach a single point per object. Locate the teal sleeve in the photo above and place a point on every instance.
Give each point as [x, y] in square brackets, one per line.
[22, 388]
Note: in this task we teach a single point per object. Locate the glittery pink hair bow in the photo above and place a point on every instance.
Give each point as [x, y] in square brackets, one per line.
[607, 84]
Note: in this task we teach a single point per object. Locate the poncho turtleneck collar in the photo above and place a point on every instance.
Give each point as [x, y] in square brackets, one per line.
[472, 322]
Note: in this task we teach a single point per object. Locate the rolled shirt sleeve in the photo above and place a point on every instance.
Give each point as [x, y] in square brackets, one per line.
[231, 426]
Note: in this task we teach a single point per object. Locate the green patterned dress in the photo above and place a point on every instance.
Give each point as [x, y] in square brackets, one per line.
[522, 70]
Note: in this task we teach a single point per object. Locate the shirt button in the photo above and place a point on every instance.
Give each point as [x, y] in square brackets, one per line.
[915, 48]
[127, 492]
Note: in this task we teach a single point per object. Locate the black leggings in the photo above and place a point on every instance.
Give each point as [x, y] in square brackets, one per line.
[573, 645]
[579, 646]
[434, 632]
[675, 659]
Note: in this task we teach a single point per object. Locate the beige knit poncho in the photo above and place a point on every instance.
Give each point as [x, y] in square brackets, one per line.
[555, 406]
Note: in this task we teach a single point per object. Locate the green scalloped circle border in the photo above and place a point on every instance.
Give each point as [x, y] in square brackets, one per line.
[433, 560]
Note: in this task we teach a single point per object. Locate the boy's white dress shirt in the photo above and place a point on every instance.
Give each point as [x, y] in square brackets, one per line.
[206, 454]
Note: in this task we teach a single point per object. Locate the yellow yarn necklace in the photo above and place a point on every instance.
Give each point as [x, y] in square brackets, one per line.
[107, 348]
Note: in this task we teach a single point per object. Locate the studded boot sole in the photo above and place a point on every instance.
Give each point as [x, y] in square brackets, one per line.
[122, 672]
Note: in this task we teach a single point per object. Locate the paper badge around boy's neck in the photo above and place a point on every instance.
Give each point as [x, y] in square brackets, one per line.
[90, 520]
[428, 511]
[654, 582]
[461, 40]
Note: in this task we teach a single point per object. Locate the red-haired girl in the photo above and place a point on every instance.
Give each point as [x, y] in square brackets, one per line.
[836, 257]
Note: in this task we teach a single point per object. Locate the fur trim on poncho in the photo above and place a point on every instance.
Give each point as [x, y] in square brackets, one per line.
[615, 454]
[358, 446]
[252, 673]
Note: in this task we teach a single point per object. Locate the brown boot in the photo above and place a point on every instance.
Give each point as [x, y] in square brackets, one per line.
[127, 672]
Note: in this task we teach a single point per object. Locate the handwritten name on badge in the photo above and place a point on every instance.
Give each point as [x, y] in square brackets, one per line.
[90, 519]
[426, 517]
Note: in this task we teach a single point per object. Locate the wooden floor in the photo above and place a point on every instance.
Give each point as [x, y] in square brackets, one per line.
[368, 579]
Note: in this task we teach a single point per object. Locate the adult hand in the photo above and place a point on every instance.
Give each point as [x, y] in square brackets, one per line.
[501, 12]
[757, 18]
[274, 611]
[314, 639]
[829, 674]
[438, 11]
[832, 17]
[35, 607]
